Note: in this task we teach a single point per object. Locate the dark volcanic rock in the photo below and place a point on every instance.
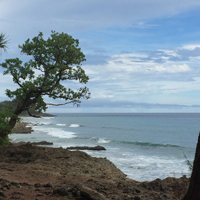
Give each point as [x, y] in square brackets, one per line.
[2, 194]
[42, 143]
[96, 148]
[28, 171]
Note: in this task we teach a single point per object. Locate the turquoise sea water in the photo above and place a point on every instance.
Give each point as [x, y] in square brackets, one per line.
[143, 146]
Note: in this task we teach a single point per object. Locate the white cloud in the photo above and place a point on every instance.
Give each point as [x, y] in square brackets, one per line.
[170, 52]
[102, 95]
[139, 77]
[123, 66]
[172, 68]
[191, 46]
[151, 75]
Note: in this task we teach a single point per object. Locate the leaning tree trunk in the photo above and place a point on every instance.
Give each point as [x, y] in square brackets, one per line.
[6, 127]
[193, 192]
[12, 122]
[3, 136]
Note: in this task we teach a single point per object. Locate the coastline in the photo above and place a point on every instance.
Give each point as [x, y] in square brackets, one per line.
[50, 173]
[22, 127]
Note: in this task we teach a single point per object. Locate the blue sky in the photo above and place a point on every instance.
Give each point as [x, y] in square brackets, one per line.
[142, 56]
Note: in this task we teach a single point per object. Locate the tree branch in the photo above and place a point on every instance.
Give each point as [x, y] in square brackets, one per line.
[32, 114]
[61, 104]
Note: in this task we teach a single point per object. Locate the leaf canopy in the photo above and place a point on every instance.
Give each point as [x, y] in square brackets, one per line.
[54, 61]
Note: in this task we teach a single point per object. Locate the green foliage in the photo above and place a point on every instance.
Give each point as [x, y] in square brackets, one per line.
[54, 60]
[12, 105]
[8, 104]
[53, 63]
[3, 42]
[5, 115]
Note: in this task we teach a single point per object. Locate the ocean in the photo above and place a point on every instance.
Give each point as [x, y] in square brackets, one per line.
[143, 146]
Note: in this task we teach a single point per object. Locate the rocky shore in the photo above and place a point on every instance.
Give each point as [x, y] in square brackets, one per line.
[21, 127]
[96, 148]
[31, 172]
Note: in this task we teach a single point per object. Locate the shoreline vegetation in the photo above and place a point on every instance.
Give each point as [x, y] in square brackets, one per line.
[29, 171]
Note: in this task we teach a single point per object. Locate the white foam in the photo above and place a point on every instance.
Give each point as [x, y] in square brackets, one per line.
[103, 141]
[55, 132]
[47, 117]
[61, 133]
[45, 123]
[60, 124]
[143, 168]
[37, 121]
[74, 125]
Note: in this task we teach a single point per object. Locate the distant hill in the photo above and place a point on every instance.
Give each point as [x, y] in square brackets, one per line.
[13, 104]
[7, 104]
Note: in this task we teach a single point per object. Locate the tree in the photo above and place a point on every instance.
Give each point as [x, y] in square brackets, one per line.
[55, 61]
[3, 42]
[193, 192]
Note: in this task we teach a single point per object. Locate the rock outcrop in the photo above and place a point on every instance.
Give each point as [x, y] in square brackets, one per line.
[96, 148]
[21, 127]
[28, 171]
[42, 143]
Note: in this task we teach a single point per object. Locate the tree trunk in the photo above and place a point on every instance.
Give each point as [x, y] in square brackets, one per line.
[3, 136]
[193, 192]
[12, 122]
[6, 128]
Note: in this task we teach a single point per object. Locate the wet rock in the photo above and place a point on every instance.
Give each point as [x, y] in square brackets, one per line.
[42, 143]
[137, 198]
[6, 185]
[37, 185]
[137, 191]
[61, 191]
[96, 148]
[2, 194]
[18, 185]
[48, 185]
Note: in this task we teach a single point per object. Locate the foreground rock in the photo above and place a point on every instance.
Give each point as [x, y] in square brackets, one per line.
[96, 148]
[31, 172]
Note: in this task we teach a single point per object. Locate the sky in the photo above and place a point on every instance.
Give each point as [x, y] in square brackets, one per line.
[141, 56]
